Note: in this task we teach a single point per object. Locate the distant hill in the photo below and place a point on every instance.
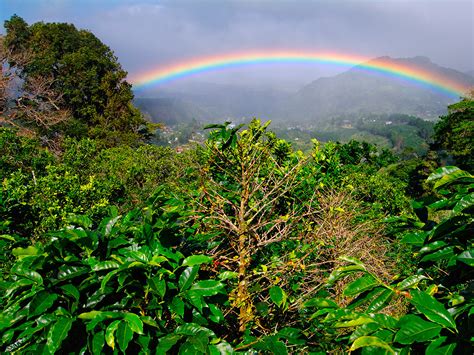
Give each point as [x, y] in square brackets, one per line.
[359, 92]
[351, 94]
[470, 73]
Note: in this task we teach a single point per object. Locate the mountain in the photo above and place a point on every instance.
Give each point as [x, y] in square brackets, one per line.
[208, 102]
[351, 94]
[470, 73]
[359, 92]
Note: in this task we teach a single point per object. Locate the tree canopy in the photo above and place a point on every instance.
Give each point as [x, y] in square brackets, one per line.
[69, 80]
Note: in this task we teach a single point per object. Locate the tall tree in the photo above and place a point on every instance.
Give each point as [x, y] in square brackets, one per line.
[69, 80]
[455, 132]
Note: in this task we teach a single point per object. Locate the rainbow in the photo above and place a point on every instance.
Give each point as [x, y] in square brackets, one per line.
[383, 66]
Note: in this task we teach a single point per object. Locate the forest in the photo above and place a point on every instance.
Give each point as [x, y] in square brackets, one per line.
[242, 243]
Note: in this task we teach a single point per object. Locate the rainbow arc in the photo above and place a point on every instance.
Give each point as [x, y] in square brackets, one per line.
[384, 66]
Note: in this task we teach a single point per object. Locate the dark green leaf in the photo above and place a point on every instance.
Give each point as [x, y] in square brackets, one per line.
[365, 283]
[124, 335]
[57, 333]
[187, 277]
[467, 257]
[277, 295]
[431, 308]
[370, 341]
[380, 301]
[196, 260]
[98, 342]
[414, 329]
[41, 302]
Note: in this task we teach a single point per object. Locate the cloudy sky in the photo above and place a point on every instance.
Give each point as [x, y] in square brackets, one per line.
[147, 34]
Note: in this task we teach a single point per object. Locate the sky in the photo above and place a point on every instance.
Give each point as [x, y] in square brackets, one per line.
[148, 34]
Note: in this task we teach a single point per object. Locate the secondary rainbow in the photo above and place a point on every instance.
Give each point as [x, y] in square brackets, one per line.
[383, 66]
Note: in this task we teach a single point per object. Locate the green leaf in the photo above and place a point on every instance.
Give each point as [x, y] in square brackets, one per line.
[380, 301]
[207, 287]
[431, 308]
[410, 282]
[277, 295]
[344, 271]
[106, 265]
[187, 277]
[439, 173]
[177, 306]
[196, 260]
[109, 333]
[444, 253]
[158, 285]
[467, 257]
[414, 329]
[124, 335]
[20, 252]
[320, 303]
[417, 238]
[41, 302]
[365, 283]
[370, 341]
[98, 342]
[134, 322]
[78, 220]
[167, 342]
[216, 314]
[354, 322]
[464, 203]
[57, 333]
[451, 177]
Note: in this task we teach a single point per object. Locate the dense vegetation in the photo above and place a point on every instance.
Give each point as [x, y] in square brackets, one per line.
[242, 244]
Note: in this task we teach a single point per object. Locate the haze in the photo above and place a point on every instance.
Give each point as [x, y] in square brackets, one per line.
[147, 34]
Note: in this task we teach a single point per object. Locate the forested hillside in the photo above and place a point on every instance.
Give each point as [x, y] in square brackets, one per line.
[240, 244]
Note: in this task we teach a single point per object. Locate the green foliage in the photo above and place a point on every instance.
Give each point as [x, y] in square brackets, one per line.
[82, 72]
[454, 133]
[114, 287]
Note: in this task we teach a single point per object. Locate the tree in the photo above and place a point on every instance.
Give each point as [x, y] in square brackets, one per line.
[246, 201]
[455, 132]
[70, 80]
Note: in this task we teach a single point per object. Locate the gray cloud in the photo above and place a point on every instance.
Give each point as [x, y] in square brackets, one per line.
[146, 34]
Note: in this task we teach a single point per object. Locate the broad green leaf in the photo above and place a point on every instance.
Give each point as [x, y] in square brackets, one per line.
[354, 322]
[365, 283]
[320, 303]
[225, 275]
[207, 287]
[124, 334]
[98, 342]
[187, 277]
[452, 177]
[72, 291]
[467, 257]
[196, 260]
[57, 333]
[41, 302]
[414, 329]
[439, 173]
[191, 329]
[277, 295]
[216, 314]
[177, 306]
[167, 342]
[20, 252]
[109, 333]
[431, 308]
[344, 271]
[370, 341]
[106, 265]
[134, 322]
[223, 348]
[416, 238]
[442, 254]
[158, 285]
[78, 220]
[465, 202]
[410, 282]
[380, 301]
